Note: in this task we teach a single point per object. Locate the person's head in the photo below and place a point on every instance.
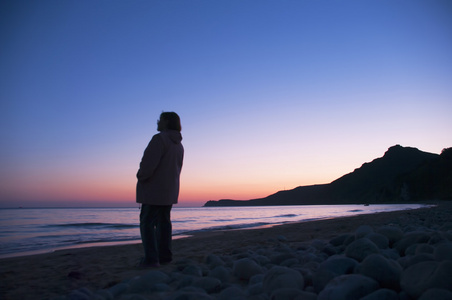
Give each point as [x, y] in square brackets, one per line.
[169, 121]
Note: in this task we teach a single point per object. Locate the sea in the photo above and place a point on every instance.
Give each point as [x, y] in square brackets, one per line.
[28, 231]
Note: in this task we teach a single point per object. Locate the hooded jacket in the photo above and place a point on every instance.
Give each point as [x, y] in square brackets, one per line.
[159, 172]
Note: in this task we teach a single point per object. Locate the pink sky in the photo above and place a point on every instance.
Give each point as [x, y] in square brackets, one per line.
[296, 93]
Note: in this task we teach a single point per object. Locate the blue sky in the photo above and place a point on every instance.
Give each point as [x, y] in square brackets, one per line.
[272, 94]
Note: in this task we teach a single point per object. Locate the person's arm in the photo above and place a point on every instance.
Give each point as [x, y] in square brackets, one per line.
[151, 158]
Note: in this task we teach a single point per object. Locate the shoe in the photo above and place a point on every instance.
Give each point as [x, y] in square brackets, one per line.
[165, 261]
[146, 265]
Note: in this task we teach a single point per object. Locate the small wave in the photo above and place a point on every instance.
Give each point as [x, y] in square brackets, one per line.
[95, 225]
[355, 210]
[230, 227]
[182, 221]
[286, 216]
[105, 240]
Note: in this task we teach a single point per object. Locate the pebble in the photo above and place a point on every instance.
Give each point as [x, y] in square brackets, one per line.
[390, 262]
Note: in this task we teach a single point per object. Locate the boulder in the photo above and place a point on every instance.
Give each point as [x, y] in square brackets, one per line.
[147, 281]
[363, 231]
[443, 251]
[213, 261]
[193, 270]
[378, 239]
[436, 294]
[232, 292]
[392, 233]
[245, 268]
[385, 271]
[339, 264]
[411, 238]
[340, 239]
[382, 294]
[424, 248]
[348, 287]
[286, 293]
[426, 275]
[281, 277]
[221, 273]
[360, 249]
[209, 284]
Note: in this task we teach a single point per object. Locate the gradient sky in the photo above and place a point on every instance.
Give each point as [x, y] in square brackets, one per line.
[272, 94]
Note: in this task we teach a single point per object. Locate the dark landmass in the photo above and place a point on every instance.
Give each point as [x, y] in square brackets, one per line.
[402, 175]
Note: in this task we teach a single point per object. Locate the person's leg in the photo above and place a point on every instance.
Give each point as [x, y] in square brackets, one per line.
[148, 221]
[164, 233]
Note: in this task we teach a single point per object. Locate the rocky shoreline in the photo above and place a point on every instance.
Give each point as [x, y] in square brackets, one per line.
[408, 257]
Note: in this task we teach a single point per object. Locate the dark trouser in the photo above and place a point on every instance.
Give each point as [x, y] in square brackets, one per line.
[156, 231]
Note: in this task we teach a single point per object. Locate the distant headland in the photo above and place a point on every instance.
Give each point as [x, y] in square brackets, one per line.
[402, 175]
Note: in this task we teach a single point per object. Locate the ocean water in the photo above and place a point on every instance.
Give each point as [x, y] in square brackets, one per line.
[29, 231]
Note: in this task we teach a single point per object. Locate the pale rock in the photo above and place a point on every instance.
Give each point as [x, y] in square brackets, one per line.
[339, 264]
[348, 287]
[147, 281]
[360, 249]
[309, 258]
[232, 292]
[187, 295]
[209, 284]
[307, 275]
[392, 233]
[390, 253]
[436, 294]
[214, 260]
[81, 294]
[118, 289]
[318, 244]
[363, 231]
[411, 238]
[160, 287]
[415, 259]
[382, 294]
[411, 250]
[321, 278]
[424, 248]
[425, 275]
[259, 278]
[311, 265]
[280, 257]
[261, 259]
[340, 239]
[385, 271]
[286, 293]
[185, 281]
[329, 250]
[245, 268]
[378, 239]
[221, 273]
[193, 270]
[256, 289]
[443, 251]
[101, 294]
[331, 268]
[289, 262]
[282, 277]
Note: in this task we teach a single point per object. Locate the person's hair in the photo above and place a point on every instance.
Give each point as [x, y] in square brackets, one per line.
[173, 120]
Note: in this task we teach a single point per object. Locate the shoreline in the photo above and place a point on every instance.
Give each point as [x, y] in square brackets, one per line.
[188, 233]
[58, 273]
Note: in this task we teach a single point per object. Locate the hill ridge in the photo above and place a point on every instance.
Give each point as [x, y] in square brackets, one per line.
[402, 174]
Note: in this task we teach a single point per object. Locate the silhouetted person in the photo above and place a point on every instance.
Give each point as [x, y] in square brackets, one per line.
[158, 189]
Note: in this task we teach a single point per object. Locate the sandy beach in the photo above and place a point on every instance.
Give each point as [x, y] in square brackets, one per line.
[58, 274]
